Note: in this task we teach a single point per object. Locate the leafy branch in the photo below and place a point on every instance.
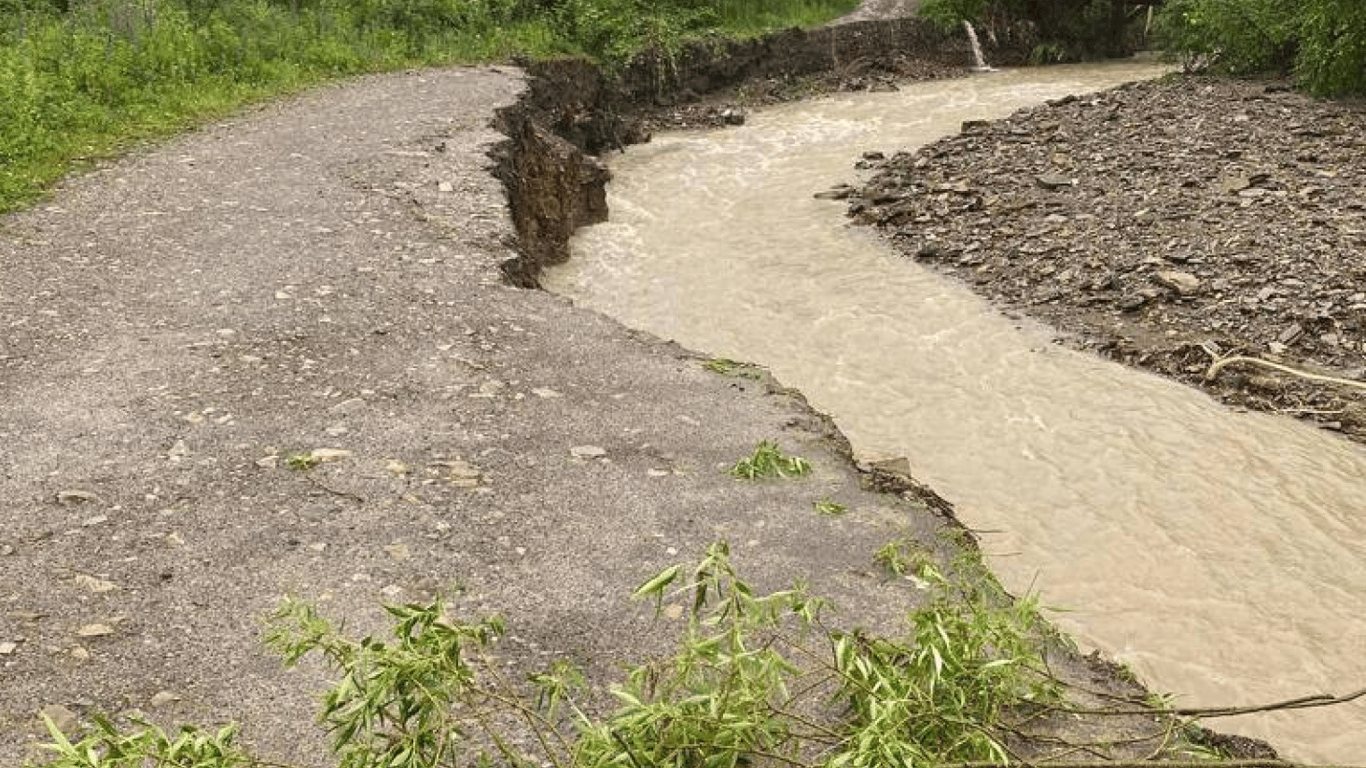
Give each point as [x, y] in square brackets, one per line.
[753, 678]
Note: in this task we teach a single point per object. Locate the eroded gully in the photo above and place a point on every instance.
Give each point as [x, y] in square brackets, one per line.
[1221, 555]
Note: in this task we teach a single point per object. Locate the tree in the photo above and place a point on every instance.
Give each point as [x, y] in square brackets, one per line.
[1321, 42]
[1332, 56]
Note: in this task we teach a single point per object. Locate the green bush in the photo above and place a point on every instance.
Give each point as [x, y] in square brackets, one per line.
[1332, 55]
[952, 13]
[1322, 42]
[1244, 35]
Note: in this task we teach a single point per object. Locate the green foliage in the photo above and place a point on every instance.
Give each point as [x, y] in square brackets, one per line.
[1332, 55]
[395, 705]
[79, 86]
[613, 30]
[145, 744]
[754, 678]
[719, 365]
[828, 507]
[904, 555]
[302, 462]
[727, 367]
[1047, 53]
[717, 701]
[950, 14]
[80, 80]
[1067, 30]
[1081, 28]
[734, 693]
[939, 695]
[1323, 42]
[753, 16]
[1243, 35]
[768, 460]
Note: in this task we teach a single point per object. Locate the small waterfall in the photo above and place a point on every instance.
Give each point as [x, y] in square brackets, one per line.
[978, 59]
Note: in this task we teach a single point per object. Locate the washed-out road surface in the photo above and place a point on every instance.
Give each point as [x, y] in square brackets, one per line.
[319, 277]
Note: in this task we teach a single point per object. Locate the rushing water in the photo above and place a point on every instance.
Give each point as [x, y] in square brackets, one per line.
[1222, 555]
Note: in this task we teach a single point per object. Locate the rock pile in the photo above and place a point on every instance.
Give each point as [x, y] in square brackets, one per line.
[1164, 224]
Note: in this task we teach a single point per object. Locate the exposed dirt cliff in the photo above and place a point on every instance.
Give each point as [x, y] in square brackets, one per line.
[574, 110]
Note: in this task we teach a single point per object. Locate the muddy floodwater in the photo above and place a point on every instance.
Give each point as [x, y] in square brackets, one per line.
[1221, 555]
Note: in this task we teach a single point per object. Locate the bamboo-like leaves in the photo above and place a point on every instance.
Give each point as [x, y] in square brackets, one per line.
[431, 695]
[768, 460]
[655, 585]
[144, 743]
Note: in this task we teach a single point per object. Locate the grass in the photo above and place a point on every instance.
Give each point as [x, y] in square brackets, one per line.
[768, 460]
[90, 83]
[80, 82]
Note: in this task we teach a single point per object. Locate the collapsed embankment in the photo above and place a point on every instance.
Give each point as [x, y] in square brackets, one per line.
[573, 110]
[357, 413]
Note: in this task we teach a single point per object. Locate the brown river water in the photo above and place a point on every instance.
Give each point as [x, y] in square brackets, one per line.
[1221, 555]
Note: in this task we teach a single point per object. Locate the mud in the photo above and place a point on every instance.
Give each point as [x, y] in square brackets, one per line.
[1169, 225]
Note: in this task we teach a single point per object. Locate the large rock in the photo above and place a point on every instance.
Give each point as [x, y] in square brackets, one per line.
[1183, 283]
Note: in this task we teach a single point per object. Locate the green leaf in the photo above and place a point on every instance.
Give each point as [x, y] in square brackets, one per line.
[63, 743]
[656, 584]
[627, 697]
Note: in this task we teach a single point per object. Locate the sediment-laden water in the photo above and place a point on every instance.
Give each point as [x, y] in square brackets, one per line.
[1222, 555]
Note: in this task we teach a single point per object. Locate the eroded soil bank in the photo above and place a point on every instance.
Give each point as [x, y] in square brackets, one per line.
[573, 111]
[1166, 224]
[318, 279]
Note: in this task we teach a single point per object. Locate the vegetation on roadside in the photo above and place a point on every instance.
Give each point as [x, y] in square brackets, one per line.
[753, 679]
[81, 79]
[768, 460]
[904, 555]
[142, 742]
[302, 462]
[1321, 42]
